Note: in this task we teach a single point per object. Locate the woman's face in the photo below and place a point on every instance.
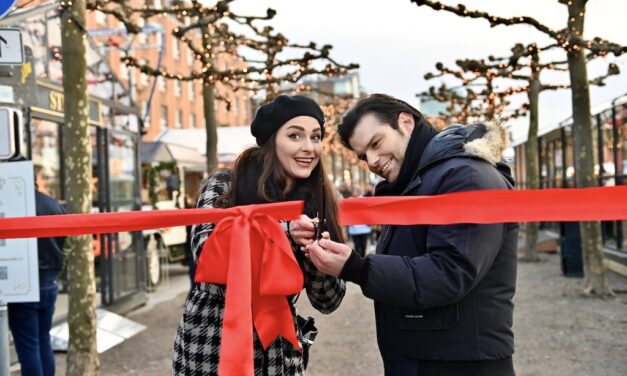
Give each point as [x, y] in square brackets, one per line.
[298, 147]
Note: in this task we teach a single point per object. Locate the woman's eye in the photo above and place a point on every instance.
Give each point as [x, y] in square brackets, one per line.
[294, 136]
[316, 137]
[375, 144]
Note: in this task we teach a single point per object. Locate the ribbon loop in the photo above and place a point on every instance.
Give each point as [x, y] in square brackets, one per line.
[249, 252]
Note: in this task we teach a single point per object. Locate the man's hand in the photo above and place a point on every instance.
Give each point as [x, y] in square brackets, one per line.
[328, 256]
[302, 230]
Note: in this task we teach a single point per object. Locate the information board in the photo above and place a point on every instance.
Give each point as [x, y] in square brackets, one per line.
[19, 276]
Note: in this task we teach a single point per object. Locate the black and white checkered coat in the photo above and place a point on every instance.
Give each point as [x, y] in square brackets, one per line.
[197, 342]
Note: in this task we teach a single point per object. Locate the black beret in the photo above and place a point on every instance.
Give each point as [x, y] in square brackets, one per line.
[271, 116]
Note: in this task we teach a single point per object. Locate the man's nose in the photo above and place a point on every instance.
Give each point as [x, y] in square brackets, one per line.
[373, 162]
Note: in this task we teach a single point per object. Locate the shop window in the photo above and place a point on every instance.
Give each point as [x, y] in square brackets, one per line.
[121, 167]
[46, 154]
[608, 169]
[192, 121]
[621, 123]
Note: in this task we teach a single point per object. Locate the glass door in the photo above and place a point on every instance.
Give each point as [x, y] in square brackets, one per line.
[121, 266]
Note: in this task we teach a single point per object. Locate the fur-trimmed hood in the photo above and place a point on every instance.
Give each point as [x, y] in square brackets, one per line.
[481, 141]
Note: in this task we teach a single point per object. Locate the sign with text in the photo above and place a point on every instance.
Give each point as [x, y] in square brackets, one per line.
[11, 48]
[19, 278]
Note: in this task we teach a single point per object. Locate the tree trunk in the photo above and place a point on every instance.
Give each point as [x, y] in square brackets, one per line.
[531, 156]
[211, 127]
[594, 271]
[82, 357]
[209, 109]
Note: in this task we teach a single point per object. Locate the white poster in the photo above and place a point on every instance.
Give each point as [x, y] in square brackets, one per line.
[19, 278]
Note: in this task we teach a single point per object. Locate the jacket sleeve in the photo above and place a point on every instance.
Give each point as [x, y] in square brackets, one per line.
[324, 292]
[218, 183]
[456, 259]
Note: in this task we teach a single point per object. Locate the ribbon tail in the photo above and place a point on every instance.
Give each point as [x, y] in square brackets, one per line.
[236, 352]
[271, 310]
[273, 318]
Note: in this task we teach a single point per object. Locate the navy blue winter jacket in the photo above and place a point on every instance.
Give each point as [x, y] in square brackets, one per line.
[49, 250]
[445, 292]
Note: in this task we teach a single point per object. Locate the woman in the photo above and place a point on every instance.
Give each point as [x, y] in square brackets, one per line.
[285, 166]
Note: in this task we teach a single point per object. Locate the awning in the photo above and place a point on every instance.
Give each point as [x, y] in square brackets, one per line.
[231, 140]
[188, 158]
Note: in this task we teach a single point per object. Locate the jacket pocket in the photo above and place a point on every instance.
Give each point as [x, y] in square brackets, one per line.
[438, 318]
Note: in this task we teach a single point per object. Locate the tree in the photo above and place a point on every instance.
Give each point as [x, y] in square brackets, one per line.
[82, 356]
[269, 58]
[571, 40]
[476, 99]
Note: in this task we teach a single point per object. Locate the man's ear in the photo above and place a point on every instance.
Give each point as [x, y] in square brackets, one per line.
[406, 122]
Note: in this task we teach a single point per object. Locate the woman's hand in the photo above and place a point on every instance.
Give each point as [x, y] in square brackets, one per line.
[302, 230]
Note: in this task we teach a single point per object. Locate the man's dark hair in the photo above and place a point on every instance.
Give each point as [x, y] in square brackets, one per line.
[384, 107]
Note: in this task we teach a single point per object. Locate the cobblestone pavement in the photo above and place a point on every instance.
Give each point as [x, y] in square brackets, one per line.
[557, 332]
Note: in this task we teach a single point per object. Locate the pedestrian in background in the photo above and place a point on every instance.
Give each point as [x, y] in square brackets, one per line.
[30, 322]
[359, 234]
[285, 166]
[443, 295]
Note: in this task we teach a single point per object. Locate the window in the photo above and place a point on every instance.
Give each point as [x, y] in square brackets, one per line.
[176, 50]
[143, 79]
[177, 88]
[190, 57]
[179, 119]
[163, 85]
[144, 115]
[192, 121]
[190, 90]
[101, 18]
[142, 36]
[163, 118]
[236, 104]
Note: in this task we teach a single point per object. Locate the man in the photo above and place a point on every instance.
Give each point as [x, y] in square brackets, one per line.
[442, 294]
[30, 322]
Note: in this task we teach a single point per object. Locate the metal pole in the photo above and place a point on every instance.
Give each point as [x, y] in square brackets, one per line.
[5, 362]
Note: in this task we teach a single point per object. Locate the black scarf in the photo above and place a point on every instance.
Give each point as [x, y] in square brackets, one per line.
[248, 183]
[420, 137]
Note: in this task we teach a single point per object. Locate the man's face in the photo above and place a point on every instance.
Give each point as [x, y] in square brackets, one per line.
[382, 146]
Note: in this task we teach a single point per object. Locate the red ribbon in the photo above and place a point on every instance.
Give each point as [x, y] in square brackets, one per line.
[248, 249]
[249, 252]
[104, 223]
[490, 206]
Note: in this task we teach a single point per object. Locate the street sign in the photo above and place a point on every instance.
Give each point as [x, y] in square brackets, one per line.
[19, 270]
[5, 6]
[11, 48]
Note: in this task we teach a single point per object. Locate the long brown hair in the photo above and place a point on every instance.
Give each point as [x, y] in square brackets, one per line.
[272, 185]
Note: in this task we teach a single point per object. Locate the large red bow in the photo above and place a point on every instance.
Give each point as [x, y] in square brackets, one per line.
[249, 252]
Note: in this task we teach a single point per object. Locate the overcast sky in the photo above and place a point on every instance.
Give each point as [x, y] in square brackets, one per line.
[396, 42]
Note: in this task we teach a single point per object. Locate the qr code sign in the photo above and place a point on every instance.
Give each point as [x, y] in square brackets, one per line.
[4, 273]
